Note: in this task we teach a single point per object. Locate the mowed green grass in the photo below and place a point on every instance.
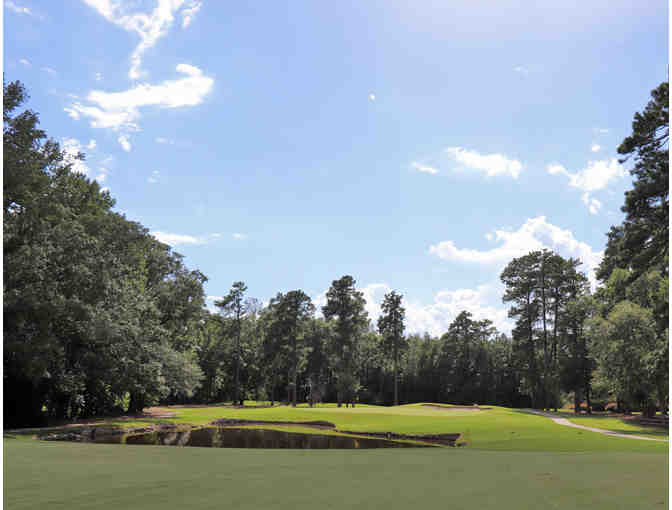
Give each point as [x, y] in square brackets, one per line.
[514, 461]
[77, 476]
[497, 428]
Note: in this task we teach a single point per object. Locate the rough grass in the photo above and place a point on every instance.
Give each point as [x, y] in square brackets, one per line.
[616, 424]
[91, 476]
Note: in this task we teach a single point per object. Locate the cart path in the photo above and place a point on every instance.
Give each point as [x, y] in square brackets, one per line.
[567, 423]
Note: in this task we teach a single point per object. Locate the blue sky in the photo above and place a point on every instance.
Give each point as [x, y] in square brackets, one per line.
[417, 146]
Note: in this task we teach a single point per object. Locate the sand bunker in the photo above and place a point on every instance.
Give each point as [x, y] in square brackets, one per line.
[458, 408]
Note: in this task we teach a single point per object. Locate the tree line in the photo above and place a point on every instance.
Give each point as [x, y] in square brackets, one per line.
[101, 318]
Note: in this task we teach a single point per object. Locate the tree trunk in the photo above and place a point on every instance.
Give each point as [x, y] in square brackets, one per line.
[136, 404]
[543, 320]
[237, 371]
[396, 376]
[588, 408]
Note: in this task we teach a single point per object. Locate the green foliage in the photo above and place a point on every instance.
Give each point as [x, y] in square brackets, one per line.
[94, 307]
[634, 301]
[391, 327]
[625, 342]
[345, 306]
[233, 308]
[542, 287]
[642, 241]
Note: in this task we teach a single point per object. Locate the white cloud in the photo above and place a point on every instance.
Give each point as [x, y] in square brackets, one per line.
[124, 142]
[535, 234]
[189, 12]
[424, 168]
[71, 148]
[595, 147]
[178, 239]
[119, 110]
[521, 70]
[99, 76]
[210, 302]
[72, 113]
[161, 139]
[484, 302]
[49, 70]
[238, 235]
[91, 145]
[103, 119]
[102, 177]
[595, 176]
[25, 62]
[149, 26]
[17, 8]
[372, 96]
[602, 131]
[154, 178]
[594, 205]
[491, 164]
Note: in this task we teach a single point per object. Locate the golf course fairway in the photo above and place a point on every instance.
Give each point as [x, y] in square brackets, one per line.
[547, 465]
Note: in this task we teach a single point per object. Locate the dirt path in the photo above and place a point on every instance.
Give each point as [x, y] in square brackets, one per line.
[567, 423]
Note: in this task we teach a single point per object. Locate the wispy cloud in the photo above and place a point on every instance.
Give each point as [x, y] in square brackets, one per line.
[594, 205]
[121, 110]
[49, 70]
[161, 139]
[91, 145]
[238, 235]
[184, 239]
[102, 175]
[17, 8]
[190, 11]
[25, 62]
[424, 168]
[490, 164]
[124, 142]
[372, 96]
[149, 26]
[154, 178]
[595, 147]
[98, 76]
[521, 70]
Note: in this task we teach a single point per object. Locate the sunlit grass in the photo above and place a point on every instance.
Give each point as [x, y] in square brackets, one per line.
[497, 428]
